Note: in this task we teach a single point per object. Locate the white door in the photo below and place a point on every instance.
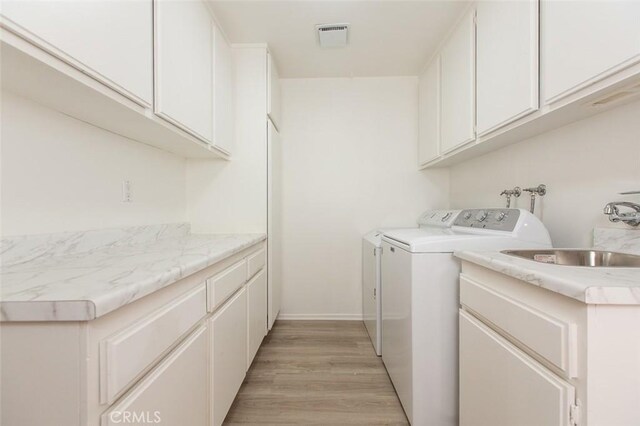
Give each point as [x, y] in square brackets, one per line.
[370, 288]
[429, 119]
[458, 76]
[223, 93]
[256, 314]
[228, 335]
[507, 62]
[184, 43]
[274, 222]
[583, 42]
[396, 322]
[173, 393]
[110, 40]
[502, 386]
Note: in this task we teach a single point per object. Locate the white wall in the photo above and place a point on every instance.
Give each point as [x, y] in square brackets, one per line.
[231, 196]
[60, 174]
[349, 165]
[584, 165]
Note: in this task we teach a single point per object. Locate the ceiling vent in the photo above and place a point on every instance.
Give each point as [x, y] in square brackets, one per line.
[333, 35]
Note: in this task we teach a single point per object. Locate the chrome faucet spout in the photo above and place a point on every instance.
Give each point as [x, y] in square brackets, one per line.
[630, 218]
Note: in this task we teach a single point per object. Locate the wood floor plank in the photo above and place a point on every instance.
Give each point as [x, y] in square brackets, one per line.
[317, 372]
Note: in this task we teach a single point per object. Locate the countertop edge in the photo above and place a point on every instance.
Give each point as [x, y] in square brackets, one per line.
[588, 294]
[87, 310]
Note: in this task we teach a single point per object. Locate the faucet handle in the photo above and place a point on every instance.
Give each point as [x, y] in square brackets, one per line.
[516, 192]
[538, 190]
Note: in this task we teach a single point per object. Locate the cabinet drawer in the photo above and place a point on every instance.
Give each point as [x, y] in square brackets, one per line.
[223, 285]
[174, 393]
[547, 336]
[255, 262]
[128, 353]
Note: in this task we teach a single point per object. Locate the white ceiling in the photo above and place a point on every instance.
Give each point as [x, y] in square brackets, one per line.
[392, 37]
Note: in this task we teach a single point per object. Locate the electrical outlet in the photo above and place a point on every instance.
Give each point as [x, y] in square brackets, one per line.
[126, 191]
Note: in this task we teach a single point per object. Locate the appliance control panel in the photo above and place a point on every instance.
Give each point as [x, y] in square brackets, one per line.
[493, 219]
[440, 218]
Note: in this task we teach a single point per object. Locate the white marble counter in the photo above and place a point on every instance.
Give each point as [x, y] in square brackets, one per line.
[617, 286]
[82, 276]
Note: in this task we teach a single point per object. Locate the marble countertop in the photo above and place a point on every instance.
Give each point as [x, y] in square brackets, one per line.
[72, 277]
[613, 286]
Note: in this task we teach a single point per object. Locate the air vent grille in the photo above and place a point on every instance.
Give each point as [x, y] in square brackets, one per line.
[333, 35]
[333, 28]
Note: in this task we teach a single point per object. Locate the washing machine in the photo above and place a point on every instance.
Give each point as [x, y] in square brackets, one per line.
[420, 304]
[371, 269]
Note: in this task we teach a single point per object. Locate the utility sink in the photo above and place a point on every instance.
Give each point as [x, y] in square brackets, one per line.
[588, 258]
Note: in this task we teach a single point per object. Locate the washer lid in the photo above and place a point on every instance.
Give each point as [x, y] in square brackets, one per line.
[448, 241]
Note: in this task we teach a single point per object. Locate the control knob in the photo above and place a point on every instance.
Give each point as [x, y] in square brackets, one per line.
[481, 216]
[467, 216]
[445, 217]
[500, 216]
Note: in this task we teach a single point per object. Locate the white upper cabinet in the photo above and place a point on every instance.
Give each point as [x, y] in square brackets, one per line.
[109, 40]
[584, 42]
[273, 92]
[429, 113]
[458, 86]
[507, 62]
[184, 50]
[223, 88]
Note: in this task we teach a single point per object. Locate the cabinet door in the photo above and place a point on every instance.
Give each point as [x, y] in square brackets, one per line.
[110, 40]
[174, 393]
[429, 120]
[584, 42]
[458, 86]
[228, 328]
[256, 314]
[273, 92]
[507, 62]
[502, 386]
[184, 65]
[274, 223]
[223, 93]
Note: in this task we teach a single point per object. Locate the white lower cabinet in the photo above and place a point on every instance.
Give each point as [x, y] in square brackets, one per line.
[532, 357]
[173, 393]
[163, 359]
[502, 386]
[256, 314]
[228, 331]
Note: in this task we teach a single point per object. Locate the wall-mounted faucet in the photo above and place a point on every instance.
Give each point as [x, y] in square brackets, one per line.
[515, 192]
[630, 218]
[540, 190]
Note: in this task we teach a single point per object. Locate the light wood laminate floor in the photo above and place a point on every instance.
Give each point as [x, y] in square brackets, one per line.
[317, 372]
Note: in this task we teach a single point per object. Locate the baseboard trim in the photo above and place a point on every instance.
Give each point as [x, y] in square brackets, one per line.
[319, 317]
